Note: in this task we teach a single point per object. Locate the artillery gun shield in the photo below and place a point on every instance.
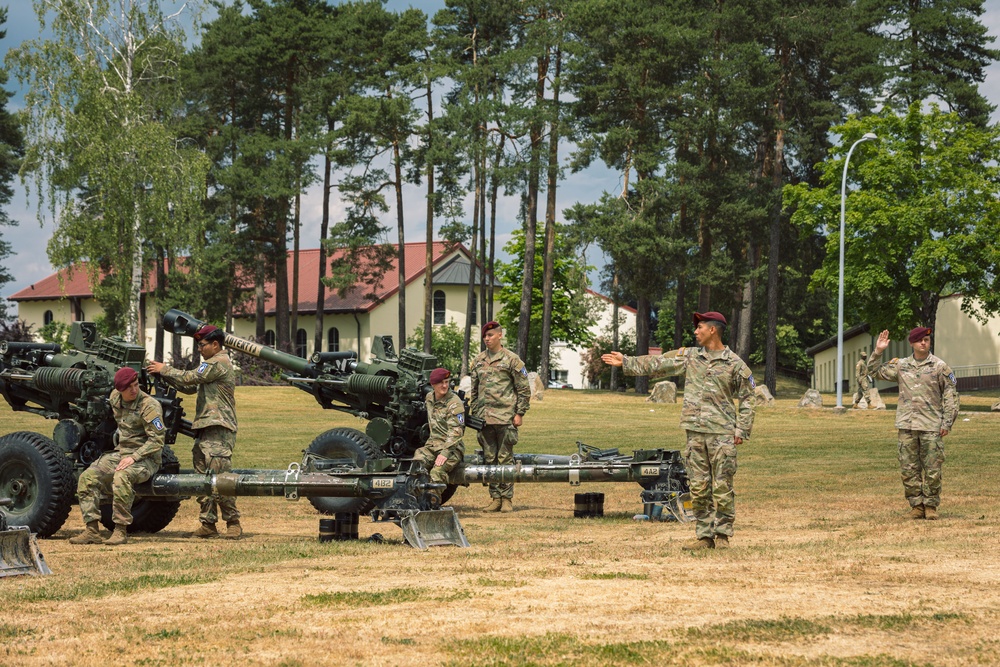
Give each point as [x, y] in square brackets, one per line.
[343, 448]
[36, 475]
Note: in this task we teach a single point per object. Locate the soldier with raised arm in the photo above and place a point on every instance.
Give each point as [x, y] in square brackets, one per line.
[215, 421]
[925, 413]
[715, 377]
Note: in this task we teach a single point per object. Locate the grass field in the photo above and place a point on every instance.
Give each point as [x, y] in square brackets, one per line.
[825, 567]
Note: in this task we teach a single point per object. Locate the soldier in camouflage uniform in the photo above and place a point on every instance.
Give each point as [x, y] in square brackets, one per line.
[215, 421]
[444, 448]
[500, 396]
[715, 377]
[927, 408]
[135, 459]
[864, 381]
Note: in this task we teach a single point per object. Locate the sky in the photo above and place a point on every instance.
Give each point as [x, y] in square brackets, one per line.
[28, 239]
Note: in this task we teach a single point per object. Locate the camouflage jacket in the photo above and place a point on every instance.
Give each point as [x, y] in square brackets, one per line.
[215, 380]
[140, 426]
[861, 370]
[500, 387]
[928, 399]
[446, 418]
[710, 387]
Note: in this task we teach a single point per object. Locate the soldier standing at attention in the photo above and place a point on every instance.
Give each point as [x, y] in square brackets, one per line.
[215, 421]
[861, 375]
[444, 448]
[135, 459]
[500, 396]
[927, 408]
[715, 378]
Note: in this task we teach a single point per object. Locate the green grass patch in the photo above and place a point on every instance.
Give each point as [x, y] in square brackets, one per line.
[8, 631]
[163, 634]
[398, 641]
[489, 582]
[64, 590]
[638, 576]
[761, 630]
[367, 598]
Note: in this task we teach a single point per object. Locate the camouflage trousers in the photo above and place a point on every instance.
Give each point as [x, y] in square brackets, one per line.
[921, 455]
[101, 480]
[862, 391]
[439, 474]
[710, 460]
[213, 452]
[497, 441]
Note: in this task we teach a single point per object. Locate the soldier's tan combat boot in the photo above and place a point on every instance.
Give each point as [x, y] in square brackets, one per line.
[90, 535]
[930, 513]
[206, 530]
[698, 544]
[721, 542]
[494, 506]
[117, 537]
[234, 530]
[506, 505]
[917, 512]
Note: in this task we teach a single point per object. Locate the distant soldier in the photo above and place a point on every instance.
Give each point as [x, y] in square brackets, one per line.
[500, 396]
[863, 379]
[444, 448]
[927, 408]
[215, 421]
[135, 459]
[715, 378]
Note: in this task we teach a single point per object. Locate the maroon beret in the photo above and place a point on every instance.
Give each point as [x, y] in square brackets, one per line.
[124, 377]
[204, 331]
[710, 316]
[917, 333]
[439, 374]
[490, 325]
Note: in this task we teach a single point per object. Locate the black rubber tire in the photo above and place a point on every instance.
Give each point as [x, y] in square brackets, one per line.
[448, 492]
[150, 515]
[45, 476]
[350, 447]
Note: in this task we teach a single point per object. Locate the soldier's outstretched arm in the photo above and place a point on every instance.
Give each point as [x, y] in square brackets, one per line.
[876, 368]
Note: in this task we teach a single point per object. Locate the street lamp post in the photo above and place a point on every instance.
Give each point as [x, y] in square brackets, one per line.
[840, 285]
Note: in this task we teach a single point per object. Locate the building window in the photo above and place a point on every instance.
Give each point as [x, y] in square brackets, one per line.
[475, 307]
[48, 317]
[300, 343]
[438, 307]
[333, 340]
[269, 338]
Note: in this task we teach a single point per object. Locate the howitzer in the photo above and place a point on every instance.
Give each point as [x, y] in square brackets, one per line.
[73, 386]
[388, 390]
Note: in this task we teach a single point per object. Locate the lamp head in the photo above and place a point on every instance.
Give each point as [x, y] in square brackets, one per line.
[870, 136]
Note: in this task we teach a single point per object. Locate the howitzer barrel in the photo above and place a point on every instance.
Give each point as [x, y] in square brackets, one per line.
[178, 322]
[570, 473]
[17, 346]
[290, 483]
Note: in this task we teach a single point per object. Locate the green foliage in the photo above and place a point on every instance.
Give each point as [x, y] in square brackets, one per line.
[596, 371]
[11, 152]
[367, 598]
[55, 332]
[921, 222]
[573, 312]
[446, 344]
[791, 351]
[16, 331]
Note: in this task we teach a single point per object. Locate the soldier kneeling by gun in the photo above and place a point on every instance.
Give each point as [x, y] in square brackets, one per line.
[135, 459]
[446, 417]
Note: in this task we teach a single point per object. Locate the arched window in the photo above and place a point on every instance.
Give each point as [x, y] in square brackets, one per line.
[300, 343]
[438, 307]
[269, 338]
[333, 340]
[48, 317]
[475, 308]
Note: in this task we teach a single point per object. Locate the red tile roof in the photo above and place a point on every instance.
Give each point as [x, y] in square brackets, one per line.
[75, 282]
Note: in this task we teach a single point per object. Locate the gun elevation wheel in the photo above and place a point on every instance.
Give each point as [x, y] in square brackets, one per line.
[150, 515]
[38, 477]
[343, 447]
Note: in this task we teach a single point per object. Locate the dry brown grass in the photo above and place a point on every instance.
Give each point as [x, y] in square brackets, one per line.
[825, 569]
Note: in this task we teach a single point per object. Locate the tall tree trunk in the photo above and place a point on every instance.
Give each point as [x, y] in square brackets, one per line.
[398, 168]
[429, 249]
[471, 287]
[324, 227]
[295, 267]
[680, 320]
[643, 311]
[614, 326]
[494, 190]
[161, 292]
[281, 310]
[746, 313]
[774, 237]
[550, 224]
[261, 297]
[132, 332]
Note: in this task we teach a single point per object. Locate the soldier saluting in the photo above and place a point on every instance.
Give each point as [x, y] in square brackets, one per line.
[500, 396]
[715, 377]
[215, 421]
[925, 413]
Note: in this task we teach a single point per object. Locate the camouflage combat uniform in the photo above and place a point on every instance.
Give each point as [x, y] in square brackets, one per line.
[215, 422]
[446, 419]
[500, 390]
[140, 435]
[714, 379]
[928, 403]
[864, 383]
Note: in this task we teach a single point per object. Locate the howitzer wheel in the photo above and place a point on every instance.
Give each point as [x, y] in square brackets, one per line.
[347, 447]
[36, 474]
[150, 515]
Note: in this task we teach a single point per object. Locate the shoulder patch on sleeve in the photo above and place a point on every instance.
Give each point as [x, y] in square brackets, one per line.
[894, 360]
[682, 352]
[952, 378]
[461, 418]
[524, 371]
[202, 368]
[157, 424]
